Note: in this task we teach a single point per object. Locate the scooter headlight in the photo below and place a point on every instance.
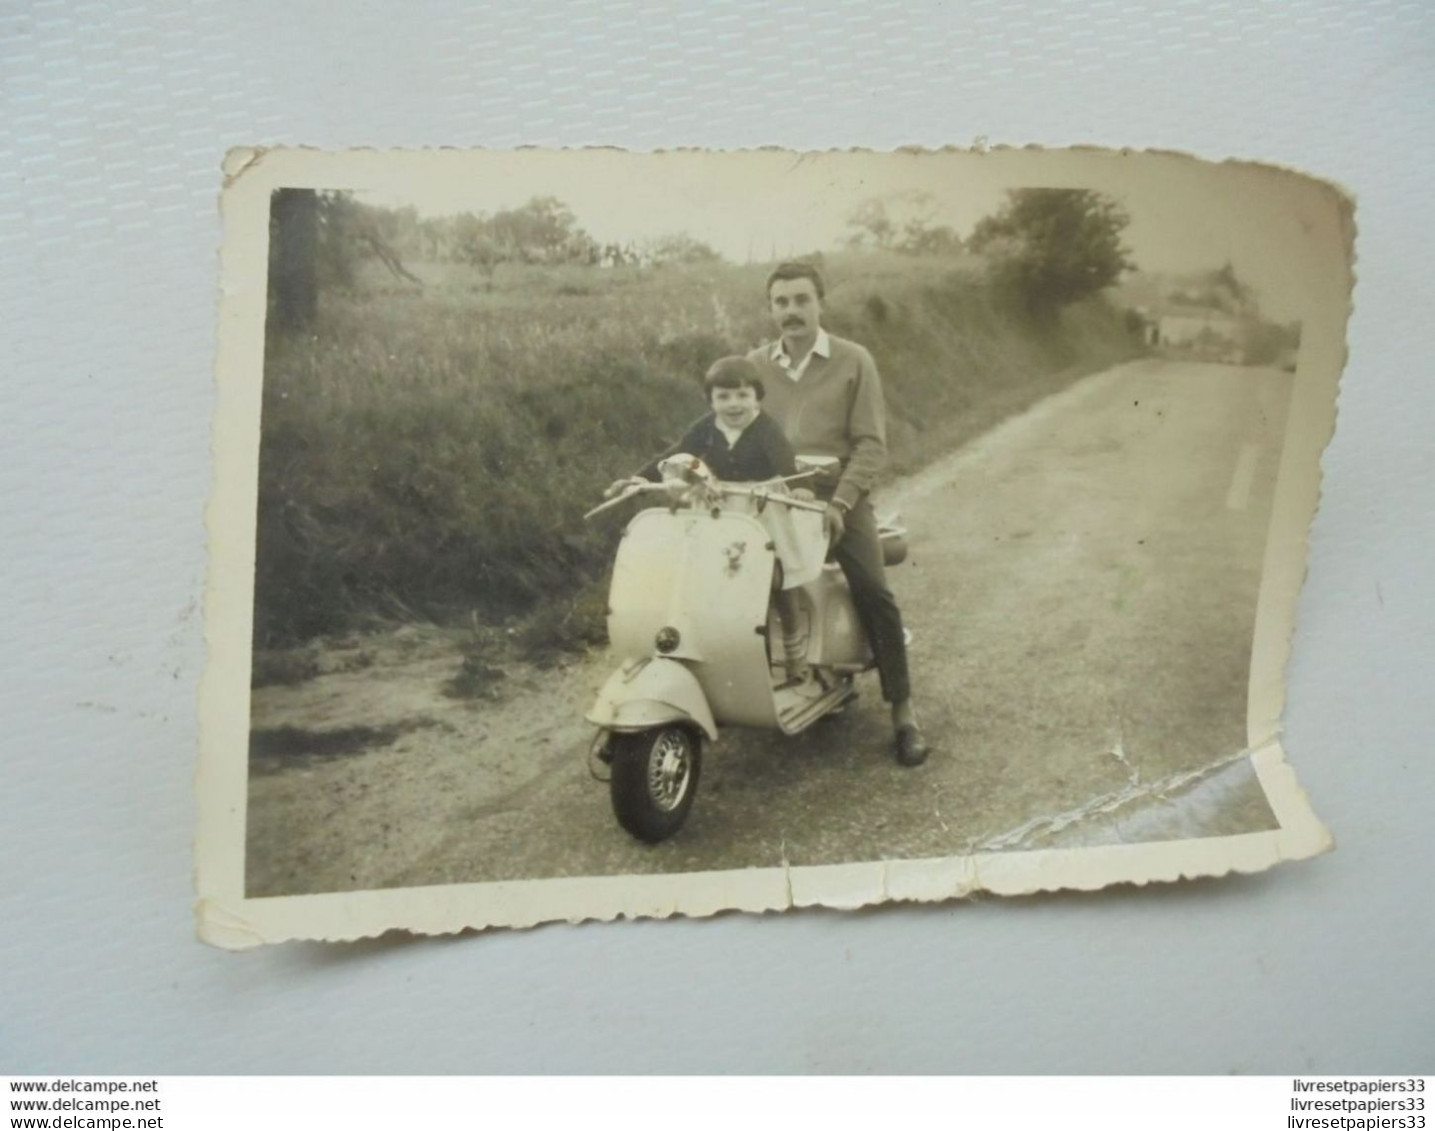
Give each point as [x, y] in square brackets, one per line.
[667, 639]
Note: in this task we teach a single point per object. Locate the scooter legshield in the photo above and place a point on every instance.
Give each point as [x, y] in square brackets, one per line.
[648, 693]
[707, 580]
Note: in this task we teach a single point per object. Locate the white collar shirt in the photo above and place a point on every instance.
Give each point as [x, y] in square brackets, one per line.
[732, 434]
[821, 347]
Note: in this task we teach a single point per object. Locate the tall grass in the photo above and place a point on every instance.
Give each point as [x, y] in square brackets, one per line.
[429, 454]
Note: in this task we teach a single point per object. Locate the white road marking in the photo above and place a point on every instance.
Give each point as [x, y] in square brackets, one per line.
[1240, 493]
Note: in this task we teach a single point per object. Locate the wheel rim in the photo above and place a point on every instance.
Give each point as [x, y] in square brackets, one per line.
[670, 769]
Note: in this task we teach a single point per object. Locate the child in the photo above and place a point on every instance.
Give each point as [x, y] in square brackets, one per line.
[741, 445]
[735, 440]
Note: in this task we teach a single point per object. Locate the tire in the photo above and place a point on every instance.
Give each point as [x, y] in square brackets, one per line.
[655, 778]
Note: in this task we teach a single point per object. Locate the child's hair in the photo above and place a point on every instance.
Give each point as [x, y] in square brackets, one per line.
[732, 373]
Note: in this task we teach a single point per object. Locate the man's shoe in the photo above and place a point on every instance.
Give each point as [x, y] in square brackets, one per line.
[911, 750]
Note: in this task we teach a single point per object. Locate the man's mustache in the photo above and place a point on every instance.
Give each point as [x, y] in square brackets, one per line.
[793, 322]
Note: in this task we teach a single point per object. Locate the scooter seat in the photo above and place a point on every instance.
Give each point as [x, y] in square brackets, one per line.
[894, 547]
[892, 536]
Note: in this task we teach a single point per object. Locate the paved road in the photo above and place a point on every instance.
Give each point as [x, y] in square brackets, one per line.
[1081, 589]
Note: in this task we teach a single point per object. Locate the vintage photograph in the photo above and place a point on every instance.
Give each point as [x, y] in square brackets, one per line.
[603, 533]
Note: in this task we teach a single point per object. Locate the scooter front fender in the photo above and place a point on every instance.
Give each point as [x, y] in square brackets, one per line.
[650, 692]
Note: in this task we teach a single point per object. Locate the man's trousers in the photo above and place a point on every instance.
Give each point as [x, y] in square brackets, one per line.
[859, 553]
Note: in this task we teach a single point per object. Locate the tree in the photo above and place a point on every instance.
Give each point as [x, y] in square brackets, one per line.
[1054, 246]
[681, 248]
[1231, 294]
[340, 220]
[317, 239]
[436, 237]
[904, 222]
[873, 226]
[372, 236]
[474, 244]
[921, 237]
[293, 257]
[537, 230]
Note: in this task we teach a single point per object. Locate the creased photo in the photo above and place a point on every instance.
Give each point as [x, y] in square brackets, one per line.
[602, 534]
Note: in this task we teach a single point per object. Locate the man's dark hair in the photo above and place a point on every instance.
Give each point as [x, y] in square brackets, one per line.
[795, 269]
[733, 373]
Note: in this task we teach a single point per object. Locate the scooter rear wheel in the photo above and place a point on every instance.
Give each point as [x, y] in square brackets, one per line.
[655, 778]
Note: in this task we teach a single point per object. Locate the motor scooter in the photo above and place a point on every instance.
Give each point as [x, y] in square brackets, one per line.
[692, 623]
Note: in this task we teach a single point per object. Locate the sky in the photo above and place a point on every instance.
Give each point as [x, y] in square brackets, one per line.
[1186, 215]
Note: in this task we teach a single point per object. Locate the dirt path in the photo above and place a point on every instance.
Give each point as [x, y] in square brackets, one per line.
[1081, 589]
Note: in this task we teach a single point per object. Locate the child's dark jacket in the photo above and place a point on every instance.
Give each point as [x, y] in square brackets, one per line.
[761, 452]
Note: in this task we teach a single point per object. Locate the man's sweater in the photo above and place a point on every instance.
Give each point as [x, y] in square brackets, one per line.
[834, 409]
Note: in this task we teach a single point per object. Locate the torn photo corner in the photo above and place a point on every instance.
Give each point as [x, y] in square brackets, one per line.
[1048, 425]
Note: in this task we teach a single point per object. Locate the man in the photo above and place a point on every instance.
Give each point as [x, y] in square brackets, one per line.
[825, 393]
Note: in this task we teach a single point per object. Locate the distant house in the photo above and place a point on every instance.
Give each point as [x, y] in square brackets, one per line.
[1196, 331]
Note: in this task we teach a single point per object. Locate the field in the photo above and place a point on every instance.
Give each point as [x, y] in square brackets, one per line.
[427, 452]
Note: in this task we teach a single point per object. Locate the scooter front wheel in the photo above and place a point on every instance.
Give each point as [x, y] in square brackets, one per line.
[655, 778]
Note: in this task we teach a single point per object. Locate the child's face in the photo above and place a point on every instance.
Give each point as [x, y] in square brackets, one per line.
[737, 408]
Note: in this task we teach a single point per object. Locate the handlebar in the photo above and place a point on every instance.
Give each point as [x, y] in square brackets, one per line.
[762, 492]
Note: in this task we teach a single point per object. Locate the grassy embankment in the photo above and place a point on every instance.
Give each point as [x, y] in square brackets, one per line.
[428, 455]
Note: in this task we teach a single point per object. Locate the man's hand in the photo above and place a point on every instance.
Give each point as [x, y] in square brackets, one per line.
[834, 524]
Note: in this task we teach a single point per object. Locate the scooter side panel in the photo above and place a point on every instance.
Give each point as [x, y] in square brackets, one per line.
[837, 639]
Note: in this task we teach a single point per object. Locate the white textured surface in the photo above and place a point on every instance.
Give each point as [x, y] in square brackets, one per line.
[113, 120]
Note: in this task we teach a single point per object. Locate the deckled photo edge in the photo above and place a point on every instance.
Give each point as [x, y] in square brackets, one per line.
[227, 918]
